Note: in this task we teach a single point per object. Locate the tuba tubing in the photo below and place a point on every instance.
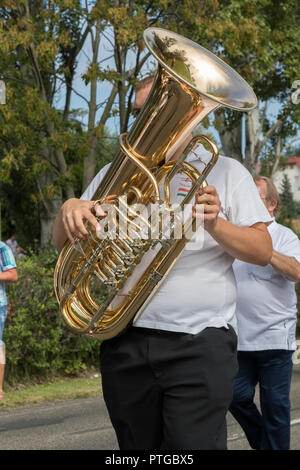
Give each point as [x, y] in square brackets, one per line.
[97, 282]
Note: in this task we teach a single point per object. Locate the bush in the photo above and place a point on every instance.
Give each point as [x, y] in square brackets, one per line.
[38, 343]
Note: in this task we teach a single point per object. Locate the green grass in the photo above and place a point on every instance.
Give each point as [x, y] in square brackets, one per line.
[59, 390]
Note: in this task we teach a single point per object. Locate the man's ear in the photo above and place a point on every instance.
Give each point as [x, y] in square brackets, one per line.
[273, 206]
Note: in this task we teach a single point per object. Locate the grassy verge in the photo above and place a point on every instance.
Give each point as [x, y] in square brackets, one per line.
[59, 390]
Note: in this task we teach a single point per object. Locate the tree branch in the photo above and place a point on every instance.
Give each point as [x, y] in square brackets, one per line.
[108, 106]
[262, 121]
[73, 89]
[260, 144]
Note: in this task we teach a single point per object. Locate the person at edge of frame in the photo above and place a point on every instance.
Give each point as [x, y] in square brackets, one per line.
[168, 379]
[8, 273]
[267, 320]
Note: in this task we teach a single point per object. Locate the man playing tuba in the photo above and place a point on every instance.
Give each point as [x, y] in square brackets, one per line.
[168, 379]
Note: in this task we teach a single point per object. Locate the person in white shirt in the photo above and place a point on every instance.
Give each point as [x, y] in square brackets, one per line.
[266, 319]
[12, 243]
[167, 380]
[16, 249]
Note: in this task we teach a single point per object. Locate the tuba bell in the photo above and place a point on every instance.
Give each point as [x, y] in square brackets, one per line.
[99, 283]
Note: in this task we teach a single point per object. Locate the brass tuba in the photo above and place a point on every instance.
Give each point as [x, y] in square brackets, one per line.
[96, 284]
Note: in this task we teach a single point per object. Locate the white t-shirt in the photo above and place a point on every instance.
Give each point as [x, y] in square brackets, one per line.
[200, 290]
[266, 300]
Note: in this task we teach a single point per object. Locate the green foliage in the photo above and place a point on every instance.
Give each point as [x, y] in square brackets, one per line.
[42, 140]
[288, 206]
[261, 41]
[38, 343]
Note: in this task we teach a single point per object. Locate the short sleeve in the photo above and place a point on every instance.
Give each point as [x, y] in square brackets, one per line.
[7, 258]
[290, 245]
[247, 207]
[95, 183]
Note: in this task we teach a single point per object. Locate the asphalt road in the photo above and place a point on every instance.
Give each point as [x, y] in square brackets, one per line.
[84, 425]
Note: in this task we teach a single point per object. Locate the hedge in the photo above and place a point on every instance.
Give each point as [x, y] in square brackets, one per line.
[38, 343]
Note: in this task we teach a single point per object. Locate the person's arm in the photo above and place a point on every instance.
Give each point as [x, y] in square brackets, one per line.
[286, 265]
[250, 244]
[70, 221]
[11, 275]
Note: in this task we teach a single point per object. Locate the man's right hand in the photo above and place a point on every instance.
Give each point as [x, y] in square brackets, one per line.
[74, 213]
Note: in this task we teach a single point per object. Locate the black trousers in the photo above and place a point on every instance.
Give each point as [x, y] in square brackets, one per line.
[167, 390]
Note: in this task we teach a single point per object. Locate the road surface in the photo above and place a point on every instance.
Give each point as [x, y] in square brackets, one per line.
[84, 425]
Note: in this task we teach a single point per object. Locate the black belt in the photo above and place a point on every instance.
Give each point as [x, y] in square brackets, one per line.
[154, 331]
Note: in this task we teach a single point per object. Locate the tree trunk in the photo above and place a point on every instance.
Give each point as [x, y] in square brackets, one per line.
[252, 137]
[231, 138]
[89, 164]
[276, 161]
[47, 217]
[49, 205]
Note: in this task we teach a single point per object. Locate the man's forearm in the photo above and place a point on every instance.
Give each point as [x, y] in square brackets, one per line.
[286, 265]
[10, 275]
[250, 244]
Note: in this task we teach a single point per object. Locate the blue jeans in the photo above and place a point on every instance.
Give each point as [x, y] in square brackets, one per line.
[272, 370]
